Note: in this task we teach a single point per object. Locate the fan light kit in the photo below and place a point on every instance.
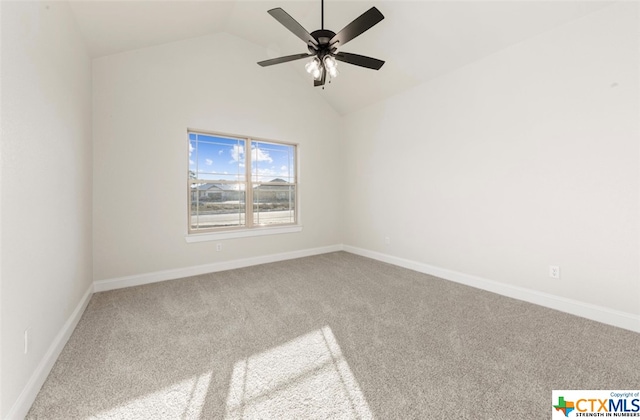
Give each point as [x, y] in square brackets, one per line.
[323, 45]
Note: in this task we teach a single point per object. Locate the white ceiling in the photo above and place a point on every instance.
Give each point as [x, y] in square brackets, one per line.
[419, 40]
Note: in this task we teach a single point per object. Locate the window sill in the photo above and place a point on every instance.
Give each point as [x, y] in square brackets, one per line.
[241, 233]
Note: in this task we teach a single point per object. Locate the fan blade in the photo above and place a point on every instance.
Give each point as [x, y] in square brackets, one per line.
[322, 79]
[291, 24]
[361, 24]
[284, 59]
[359, 60]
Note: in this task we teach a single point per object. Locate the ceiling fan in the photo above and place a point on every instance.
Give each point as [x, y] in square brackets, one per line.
[323, 44]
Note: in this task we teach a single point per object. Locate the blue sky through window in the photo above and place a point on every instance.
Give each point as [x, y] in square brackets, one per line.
[221, 158]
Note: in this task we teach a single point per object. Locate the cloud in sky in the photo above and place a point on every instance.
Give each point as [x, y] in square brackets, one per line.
[209, 162]
[259, 155]
[237, 154]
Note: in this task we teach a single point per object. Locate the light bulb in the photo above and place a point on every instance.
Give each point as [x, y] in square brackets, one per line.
[317, 73]
[331, 65]
[330, 62]
[312, 66]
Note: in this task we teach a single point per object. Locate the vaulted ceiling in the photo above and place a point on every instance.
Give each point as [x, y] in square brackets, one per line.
[419, 40]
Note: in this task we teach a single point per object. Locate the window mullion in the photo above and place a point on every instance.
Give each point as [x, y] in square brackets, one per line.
[248, 207]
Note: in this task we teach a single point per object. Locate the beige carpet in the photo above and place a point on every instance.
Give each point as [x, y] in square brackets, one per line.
[332, 336]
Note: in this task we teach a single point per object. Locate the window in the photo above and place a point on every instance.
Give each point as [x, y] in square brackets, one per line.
[227, 172]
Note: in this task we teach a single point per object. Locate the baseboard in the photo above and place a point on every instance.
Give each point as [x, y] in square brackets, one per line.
[574, 307]
[157, 276]
[28, 395]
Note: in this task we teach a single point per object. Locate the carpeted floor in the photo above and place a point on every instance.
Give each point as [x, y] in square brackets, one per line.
[331, 336]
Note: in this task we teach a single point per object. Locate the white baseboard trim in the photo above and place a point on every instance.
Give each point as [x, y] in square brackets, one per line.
[157, 276]
[586, 310]
[28, 395]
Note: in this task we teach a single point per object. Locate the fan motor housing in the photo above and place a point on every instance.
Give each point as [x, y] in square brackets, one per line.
[323, 36]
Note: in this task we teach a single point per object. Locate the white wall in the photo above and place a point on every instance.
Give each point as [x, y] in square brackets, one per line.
[143, 103]
[524, 159]
[46, 182]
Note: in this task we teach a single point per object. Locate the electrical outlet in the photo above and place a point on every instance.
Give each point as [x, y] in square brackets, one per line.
[26, 341]
[218, 247]
[554, 271]
[387, 240]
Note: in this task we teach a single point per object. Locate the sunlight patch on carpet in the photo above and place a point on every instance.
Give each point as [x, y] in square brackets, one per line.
[305, 377]
[184, 399]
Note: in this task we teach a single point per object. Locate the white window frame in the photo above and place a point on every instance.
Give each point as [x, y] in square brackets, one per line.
[249, 229]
